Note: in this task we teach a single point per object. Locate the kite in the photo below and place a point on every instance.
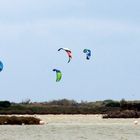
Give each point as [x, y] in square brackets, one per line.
[88, 53]
[1, 66]
[58, 75]
[68, 51]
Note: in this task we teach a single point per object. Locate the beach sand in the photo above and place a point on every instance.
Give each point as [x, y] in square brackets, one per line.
[74, 127]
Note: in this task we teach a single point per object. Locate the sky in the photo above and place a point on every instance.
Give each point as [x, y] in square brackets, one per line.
[31, 32]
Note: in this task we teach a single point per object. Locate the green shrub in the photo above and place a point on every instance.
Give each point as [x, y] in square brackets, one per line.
[5, 104]
[113, 104]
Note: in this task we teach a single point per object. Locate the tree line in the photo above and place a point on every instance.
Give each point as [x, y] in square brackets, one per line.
[65, 106]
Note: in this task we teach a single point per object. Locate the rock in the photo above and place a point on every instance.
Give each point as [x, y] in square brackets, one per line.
[42, 122]
[135, 122]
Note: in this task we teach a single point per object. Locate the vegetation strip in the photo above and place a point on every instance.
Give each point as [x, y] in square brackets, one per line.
[14, 120]
[111, 108]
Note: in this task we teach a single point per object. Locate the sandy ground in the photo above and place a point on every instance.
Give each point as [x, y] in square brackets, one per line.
[74, 127]
[83, 119]
[70, 119]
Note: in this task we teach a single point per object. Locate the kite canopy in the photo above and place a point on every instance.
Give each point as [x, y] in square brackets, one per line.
[88, 53]
[68, 51]
[58, 75]
[1, 66]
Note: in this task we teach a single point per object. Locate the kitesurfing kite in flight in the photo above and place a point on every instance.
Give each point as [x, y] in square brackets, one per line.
[88, 53]
[1, 66]
[68, 51]
[58, 75]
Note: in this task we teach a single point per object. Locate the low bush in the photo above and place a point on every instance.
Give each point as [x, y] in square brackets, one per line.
[14, 120]
[122, 114]
[5, 104]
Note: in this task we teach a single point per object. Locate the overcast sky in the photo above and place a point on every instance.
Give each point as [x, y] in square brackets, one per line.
[31, 32]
